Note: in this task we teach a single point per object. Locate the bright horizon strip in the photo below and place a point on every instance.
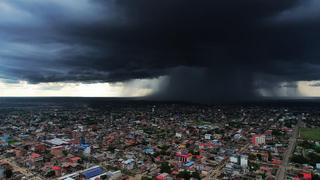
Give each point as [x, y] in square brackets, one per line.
[309, 91]
[133, 88]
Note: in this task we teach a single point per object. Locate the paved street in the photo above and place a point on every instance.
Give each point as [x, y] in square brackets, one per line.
[281, 174]
[22, 170]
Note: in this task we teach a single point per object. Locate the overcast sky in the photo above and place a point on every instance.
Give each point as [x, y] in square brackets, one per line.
[169, 49]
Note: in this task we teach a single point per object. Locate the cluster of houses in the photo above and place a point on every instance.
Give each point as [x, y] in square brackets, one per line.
[147, 141]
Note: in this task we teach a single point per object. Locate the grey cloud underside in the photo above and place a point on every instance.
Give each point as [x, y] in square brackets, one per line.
[222, 49]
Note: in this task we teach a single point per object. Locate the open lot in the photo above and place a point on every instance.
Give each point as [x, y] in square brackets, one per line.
[310, 133]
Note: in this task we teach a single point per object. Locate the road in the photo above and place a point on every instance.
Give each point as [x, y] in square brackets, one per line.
[22, 170]
[277, 166]
[281, 174]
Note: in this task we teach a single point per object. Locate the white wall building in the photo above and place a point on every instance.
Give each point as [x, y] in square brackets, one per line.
[244, 161]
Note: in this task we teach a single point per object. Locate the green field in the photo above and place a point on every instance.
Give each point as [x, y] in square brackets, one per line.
[310, 133]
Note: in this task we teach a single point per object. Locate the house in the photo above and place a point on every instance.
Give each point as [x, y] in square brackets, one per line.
[188, 164]
[92, 172]
[178, 135]
[163, 176]
[40, 147]
[128, 164]
[207, 136]
[57, 170]
[57, 151]
[184, 157]
[148, 151]
[74, 159]
[36, 157]
[258, 139]
[19, 153]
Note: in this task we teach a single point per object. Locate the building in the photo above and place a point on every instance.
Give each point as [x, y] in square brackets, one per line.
[258, 139]
[57, 170]
[148, 151]
[178, 135]
[57, 151]
[207, 136]
[128, 164]
[19, 153]
[244, 161]
[92, 172]
[74, 159]
[36, 157]
[184, 157]
[114, 175]
[234, 159]
[40, 148]
[163, 176]
[86, 148]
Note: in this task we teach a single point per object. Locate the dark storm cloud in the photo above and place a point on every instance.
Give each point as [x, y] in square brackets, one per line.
[212, 50]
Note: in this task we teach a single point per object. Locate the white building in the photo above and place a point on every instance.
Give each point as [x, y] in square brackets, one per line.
[234, 159]
[244, 161]
[87, 151]
[178, 135]
[207, 136]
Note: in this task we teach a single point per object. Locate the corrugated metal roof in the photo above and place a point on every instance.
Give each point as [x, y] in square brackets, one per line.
[93, 172]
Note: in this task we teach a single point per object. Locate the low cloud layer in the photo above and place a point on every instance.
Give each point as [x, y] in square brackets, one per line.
[210, 50]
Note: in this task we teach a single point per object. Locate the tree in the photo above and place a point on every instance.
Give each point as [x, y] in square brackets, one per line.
[298, 159]
[196, 175]
[307, 145]
[269, 156]
[104, 177]
[65, 153]
[165, 168]
[184, 174]
[259, 157]
[276, 133]
[315, 177]
[193, 152]
[111, 149]
[50, 174]
[146, 178]
[254, 166]
[252, 157]
[8, 173]
[314, 158]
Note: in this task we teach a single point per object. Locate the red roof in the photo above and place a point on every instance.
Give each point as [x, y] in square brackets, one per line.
[159, 177]
[75, 159]
[307, 176]
[162, 176]
[183, 155]
[269, 132]
[35, 155]
[56, 168]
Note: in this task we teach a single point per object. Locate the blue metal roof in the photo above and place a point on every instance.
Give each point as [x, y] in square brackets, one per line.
[84, 146]
[188, 164]
[93, 172]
